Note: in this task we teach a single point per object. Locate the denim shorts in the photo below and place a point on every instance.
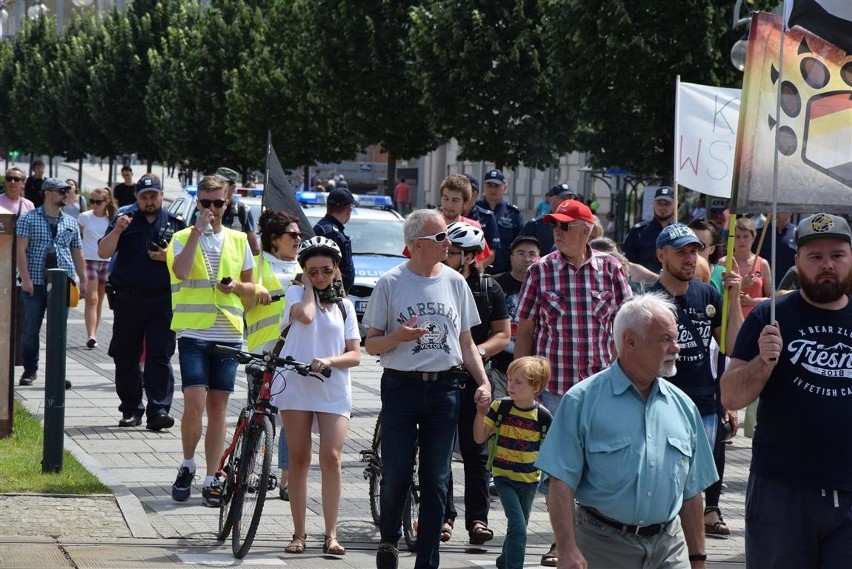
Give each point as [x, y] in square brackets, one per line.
[199, 366]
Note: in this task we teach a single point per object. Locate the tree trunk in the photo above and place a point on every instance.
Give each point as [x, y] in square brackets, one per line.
[80, 175]
[306, 178]
[110, 173]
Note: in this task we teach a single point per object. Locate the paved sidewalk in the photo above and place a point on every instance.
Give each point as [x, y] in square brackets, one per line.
[140, 526]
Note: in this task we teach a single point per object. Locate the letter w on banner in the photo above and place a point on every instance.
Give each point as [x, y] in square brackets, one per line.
[705, 137]
[815, 120]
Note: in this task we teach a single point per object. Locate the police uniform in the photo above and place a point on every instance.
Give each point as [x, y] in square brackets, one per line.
[539, 229]
[331, 228]
[640, 245]
[510, 220]
[142, 314]
[485, 218]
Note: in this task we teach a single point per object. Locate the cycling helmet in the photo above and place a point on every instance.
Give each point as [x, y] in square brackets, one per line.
[319, 245]
[466, 236]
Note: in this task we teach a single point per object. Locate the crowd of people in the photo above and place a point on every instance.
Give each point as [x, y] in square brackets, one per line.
[526, 344]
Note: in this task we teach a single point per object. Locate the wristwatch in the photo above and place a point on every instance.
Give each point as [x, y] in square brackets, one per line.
[481, 351]
[698, 557]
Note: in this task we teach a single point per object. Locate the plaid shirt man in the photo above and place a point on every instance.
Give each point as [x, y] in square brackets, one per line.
[573, 309]
[36, 228]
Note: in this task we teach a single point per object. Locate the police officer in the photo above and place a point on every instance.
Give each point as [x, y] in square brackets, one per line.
[640, 245]
[338, 211]
[537, 227]
[141, 304]
[486, 220]
[510, 221]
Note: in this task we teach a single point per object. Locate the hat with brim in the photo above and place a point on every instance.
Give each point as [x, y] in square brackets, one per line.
[822, 226]
[571, 210]
[227, 175]
[678, 235]
[560, 191]
[148, 184]
[53, 184]
[665, 193]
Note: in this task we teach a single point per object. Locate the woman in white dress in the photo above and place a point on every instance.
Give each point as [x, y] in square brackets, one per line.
[324, 332]
[93, 225]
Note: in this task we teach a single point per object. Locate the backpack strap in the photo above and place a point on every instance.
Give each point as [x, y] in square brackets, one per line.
[503, 410]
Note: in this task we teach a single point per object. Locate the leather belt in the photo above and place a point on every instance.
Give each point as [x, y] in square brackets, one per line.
[644, 531]
[425, 375]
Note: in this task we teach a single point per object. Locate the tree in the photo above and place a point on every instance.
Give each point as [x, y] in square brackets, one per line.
[619, 60]
[483, 70]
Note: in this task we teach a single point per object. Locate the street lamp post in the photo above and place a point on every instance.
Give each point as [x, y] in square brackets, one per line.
[738, 51]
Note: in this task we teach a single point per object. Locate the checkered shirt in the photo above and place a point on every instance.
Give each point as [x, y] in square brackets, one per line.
[573, 309]
[35, 227]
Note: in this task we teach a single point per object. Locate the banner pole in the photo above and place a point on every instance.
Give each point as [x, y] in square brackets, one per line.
[726, 293]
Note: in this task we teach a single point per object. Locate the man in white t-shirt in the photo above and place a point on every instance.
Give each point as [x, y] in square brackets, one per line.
[419, 318]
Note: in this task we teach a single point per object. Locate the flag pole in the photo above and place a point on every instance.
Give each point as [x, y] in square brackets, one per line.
[676, 145]
[266, 170]
[775, 171]
[769, 218]
[726, 292]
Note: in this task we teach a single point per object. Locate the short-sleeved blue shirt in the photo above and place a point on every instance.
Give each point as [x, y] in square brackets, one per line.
[132, 267]
[35, 226]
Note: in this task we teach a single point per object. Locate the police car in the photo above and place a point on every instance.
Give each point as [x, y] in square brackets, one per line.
[375, 229]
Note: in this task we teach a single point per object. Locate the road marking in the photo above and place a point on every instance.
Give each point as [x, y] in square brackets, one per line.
[228, 560]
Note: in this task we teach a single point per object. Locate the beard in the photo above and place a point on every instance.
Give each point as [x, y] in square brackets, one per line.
[826, 291]
[668, 368]
[684, 274]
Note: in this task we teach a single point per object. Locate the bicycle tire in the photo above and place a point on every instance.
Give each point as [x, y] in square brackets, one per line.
[375, 480]
[232, 468]
[255, 464]
[410, 520]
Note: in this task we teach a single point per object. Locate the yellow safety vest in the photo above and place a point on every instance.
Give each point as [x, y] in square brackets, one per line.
[263, 323]
[196, 300]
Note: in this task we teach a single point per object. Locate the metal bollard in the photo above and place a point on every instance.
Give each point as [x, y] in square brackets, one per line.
[54, 380]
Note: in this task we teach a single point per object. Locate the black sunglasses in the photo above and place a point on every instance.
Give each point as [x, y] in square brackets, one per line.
[14, 179]
[63, 191]
[563, 225]
[293, 234]
[207, 203]
[96, 202]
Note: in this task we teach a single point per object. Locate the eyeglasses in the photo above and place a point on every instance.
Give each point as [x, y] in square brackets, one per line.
[437, 238]
[563, 225]
[293, 234]
[96, 202]
[314, 273]
[14, 179]
[207, 203]
[526, 255]
[63, 191]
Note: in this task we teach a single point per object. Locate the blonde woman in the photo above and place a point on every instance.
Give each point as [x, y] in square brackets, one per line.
[93, 225]
[757, 285]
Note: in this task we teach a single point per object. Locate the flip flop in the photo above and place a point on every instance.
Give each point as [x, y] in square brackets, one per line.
[447, 532]
[479, 534]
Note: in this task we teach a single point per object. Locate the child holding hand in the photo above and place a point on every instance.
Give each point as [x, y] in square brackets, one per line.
[518, 424]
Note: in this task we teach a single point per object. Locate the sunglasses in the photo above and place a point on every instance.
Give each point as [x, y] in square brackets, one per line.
[96, 202]
[14, 179]
[314, 273]
[563, 225]
[293, 234]
[207, 203]
[437, 238]
[63, 191]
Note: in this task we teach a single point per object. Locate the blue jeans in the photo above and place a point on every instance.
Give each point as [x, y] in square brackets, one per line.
[433, 406]
[34, 306]
[200, 366]
[517, 499]
[711, 426]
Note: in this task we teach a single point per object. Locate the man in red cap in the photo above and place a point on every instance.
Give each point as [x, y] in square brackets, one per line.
[566, 307]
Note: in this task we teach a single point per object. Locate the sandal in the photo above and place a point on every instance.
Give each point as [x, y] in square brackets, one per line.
[550, 559]
[297, 545]
[717, 528]
[447, 531]
[332, 547]
[479, 533]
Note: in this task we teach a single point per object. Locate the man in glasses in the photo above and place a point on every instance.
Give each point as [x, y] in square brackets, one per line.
[12, 198]
[141, 303]
[419, 319]
[640, 245]
[47, 239]
[237, 211]
[566, 307]
[211, 270]
[338, 211]
[539, 228]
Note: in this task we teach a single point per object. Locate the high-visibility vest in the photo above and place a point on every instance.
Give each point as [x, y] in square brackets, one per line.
[263, 323]
[196, 300]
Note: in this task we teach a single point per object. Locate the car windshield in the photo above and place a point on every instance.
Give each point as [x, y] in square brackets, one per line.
[376, 237]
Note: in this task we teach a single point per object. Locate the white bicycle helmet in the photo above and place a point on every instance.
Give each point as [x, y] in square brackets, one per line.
[465, 236]
[319, 244]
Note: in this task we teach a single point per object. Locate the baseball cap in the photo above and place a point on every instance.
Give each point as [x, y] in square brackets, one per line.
[474, 181]
[664, 193]
[340, 197]
[148, 184]
[51, 184]
[822, 226]
[525, 239]
[560, 190]
[571, 210]
[227, 174]
[677, 235]
[495, 176]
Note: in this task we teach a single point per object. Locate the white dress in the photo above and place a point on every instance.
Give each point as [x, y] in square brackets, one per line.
[324, 337]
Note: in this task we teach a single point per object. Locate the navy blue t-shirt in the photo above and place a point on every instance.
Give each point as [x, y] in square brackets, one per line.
[804, 420]
[702, 304]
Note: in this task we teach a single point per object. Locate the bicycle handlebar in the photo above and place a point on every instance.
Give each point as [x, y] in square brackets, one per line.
[268, 360]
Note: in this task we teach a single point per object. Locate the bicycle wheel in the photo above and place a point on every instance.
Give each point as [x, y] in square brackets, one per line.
[410, 516]
[255, 463]
[375, 478]
[229, 483]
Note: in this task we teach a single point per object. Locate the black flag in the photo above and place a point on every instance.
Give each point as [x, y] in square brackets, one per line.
[277, 193]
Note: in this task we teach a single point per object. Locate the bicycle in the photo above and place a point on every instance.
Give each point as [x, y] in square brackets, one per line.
[244, 469]
[373, 474]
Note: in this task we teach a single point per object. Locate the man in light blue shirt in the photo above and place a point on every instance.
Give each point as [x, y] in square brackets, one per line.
[630, 447]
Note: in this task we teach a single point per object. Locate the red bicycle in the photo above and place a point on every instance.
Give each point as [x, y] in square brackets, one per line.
[244, 470]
